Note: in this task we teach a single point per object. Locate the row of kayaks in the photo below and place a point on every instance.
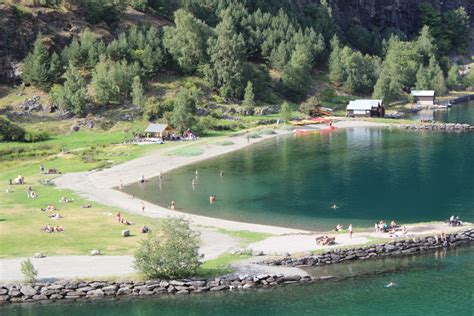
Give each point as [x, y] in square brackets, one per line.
[313, 120]
[305, 131]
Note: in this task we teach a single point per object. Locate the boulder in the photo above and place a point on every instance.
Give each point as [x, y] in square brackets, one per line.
[95, 252]
[75, 128]
[96, 293]
[125, 233]
[27, 290]
[220, 288]
[39, 255]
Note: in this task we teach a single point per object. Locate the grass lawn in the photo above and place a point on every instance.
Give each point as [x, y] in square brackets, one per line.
[85, 228]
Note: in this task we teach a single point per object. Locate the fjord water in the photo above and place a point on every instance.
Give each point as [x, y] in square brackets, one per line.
[462, 113]
[458, 113]
[292, 181]
[431, 284]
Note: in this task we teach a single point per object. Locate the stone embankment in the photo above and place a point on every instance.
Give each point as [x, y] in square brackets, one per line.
[70, 290]
[395, 248]
[436, 126]
[74, 290]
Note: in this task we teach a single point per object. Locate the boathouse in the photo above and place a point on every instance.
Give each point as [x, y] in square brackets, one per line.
[365, 108]
[159, 130]
[423, 97]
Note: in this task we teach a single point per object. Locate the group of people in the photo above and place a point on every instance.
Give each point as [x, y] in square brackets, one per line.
[49, 208]
[383, 227]
[122, 219]
[18, 180]
[31, 194]
[53, 229]
[454, 221]
[340, 227]
[188, 135]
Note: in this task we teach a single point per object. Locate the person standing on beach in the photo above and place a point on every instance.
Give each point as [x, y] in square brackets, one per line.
[350, 230]
[142, 206]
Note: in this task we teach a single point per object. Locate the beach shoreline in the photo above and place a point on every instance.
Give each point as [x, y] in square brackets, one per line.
[102, 187]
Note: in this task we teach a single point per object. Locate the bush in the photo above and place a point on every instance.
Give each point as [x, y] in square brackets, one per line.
[29, 272]
[170, 251]
[311, 107]
[266, 131]
[10, 132]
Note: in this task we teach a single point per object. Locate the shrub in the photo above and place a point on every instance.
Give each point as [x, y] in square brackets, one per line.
[311, 107]
[29, 272]
[266, 131]
[170, 251]
[10, 131]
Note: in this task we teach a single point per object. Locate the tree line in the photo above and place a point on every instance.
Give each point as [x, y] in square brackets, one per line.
[233, 45]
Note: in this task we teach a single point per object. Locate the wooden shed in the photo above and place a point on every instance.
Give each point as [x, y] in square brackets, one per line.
[365, 108]
[159, 130]
[424, 97]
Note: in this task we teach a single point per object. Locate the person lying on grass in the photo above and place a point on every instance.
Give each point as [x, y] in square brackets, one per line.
[56, 229]
[65, 200]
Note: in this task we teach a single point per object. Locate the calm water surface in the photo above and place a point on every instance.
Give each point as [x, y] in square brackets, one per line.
[369, 173]
[432, 284]
[459, 113]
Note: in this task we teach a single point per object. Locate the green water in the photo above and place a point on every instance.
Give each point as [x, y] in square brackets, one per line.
[369, 173]
[458, 113]
[432, 284]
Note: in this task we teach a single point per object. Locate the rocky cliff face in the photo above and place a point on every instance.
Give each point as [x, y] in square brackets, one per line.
[18, 31]
[380, 14]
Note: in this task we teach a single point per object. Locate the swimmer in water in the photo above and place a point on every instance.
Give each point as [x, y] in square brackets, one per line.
[334, 206]
[391, 284]
[212, 199]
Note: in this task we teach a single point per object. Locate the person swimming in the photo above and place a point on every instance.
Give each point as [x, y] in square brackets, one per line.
[391, 284]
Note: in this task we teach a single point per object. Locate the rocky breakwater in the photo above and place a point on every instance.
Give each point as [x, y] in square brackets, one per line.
[436, 126]
[73, 290]
[395, 248]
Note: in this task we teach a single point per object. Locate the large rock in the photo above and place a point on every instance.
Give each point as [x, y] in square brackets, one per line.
[27, 290]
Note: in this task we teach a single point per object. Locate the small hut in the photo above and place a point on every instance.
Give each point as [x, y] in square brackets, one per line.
[365, 108]
[159, 130]
[424, 97]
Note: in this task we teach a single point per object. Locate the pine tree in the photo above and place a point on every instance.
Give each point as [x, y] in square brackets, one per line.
[104, 86]
[226, 66]
[285, 111]
[184, 109]
[453, 77]
[249, 96]
[335, 65]
[55, 68]
[138, 96]
[295, 75]
[73, 95]
[36, 68]
[187, 41]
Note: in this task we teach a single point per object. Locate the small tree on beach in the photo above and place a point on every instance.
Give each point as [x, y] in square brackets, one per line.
[285, 111]
[170, 251]
[29, 272]
[249, 96]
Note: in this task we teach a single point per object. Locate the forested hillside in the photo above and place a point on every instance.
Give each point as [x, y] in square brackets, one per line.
[91, 54]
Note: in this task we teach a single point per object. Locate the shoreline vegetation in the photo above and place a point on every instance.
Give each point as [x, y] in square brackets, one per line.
[82, 290]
